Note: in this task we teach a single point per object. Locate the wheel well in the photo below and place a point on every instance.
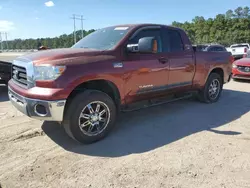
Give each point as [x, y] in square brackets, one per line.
[101, 85]
[219, 71]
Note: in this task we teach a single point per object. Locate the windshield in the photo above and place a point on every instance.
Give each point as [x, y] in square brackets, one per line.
[102, 39]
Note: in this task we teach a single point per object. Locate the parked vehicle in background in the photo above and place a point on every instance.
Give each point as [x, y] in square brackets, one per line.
[43, 48]
[114, 69]
[241, 68]
[5, 72]
[239, 50]
[211, 48]
[228, 49]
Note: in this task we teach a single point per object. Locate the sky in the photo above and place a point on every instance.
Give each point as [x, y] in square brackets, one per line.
[45, 18]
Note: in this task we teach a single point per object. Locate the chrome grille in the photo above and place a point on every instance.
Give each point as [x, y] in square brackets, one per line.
[244, 69]
[19, 75]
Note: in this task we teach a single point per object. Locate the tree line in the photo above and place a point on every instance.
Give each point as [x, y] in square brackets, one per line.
[63, 41]
[226, 29]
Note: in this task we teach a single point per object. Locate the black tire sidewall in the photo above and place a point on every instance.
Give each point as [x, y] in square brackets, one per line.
[76, 107]
[212, 77]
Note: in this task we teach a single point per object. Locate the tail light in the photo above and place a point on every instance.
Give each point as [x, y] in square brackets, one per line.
[231, 59]
[245, 50]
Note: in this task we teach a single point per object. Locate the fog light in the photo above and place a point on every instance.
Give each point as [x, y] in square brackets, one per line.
[40, 110]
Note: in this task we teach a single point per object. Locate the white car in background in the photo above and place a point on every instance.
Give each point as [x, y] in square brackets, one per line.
[239, 50]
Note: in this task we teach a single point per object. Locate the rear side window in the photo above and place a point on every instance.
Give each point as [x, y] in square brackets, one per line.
[221, 49]
[217, 49]
[212, 49]
[172, 41]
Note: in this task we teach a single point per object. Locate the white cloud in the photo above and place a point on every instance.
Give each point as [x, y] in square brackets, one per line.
[6, 25]
[49, 4]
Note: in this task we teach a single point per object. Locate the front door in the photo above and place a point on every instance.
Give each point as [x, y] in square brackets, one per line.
[145, 74]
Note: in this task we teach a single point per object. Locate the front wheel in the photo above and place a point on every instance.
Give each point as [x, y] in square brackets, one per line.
[212, 90]
[90, 116]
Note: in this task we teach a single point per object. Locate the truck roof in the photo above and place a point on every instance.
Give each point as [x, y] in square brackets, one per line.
[144, 24]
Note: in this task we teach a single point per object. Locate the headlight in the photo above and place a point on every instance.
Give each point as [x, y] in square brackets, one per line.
[48, 72]
[234, 66]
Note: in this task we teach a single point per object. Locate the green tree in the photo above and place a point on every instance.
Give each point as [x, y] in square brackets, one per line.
[231, 27]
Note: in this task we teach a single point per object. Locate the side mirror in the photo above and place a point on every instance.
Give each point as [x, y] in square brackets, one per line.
[145, 45]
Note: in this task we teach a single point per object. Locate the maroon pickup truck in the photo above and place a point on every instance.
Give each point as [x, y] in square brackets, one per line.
[111, 70]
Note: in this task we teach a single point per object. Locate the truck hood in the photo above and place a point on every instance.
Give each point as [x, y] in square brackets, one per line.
[243, 62]
[65, 56]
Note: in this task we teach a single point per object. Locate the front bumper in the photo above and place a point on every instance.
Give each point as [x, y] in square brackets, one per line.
[51, 110]
[236, 74]
[243, 77]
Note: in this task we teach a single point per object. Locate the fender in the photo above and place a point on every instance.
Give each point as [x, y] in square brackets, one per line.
[116, 82]
[212, 68]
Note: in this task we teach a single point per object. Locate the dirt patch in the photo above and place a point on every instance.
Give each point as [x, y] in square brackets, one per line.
[183, 144]
[28, 134]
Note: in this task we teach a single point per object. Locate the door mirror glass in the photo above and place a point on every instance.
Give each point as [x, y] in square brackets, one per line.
[145, 45]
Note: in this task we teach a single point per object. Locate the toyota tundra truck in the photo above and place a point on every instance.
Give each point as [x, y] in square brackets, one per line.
[111, 70]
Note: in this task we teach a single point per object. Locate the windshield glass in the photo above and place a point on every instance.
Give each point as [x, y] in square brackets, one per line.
[102, 39]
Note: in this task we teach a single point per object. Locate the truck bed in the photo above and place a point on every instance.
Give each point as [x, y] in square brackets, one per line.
[212, 59]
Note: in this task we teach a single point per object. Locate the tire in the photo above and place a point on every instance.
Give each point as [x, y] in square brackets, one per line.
[80, 104]
[204, 95]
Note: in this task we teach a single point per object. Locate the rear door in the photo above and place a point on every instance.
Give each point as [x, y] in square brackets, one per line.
[181, 60]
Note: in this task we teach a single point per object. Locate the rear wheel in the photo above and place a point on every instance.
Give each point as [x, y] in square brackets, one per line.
[212, 90]
[90, 116]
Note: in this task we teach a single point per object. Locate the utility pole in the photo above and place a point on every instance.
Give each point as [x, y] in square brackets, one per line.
[1, 41]
[77, 17]
[74, 18]
[82, 24]
[6, 40]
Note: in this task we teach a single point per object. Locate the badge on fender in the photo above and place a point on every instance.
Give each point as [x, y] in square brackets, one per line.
[117, 65]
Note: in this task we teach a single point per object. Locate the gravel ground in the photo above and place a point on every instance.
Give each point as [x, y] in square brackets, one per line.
[182, 144]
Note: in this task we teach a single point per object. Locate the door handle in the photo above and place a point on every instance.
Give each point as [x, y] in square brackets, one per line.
[163, 60]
